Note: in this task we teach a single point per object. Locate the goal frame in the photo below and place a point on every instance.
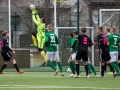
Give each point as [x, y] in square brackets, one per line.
[105, 10]
[92, 37]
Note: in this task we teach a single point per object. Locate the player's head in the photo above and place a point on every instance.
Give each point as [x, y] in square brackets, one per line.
[83, 30]
[99, 30]
[114, 29]
[107, 30]
[71, 35]
[5, 33]
[49, 27]
[75, 33]
[42, 20]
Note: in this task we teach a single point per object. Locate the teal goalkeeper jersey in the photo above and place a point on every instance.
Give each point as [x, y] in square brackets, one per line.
[51, 41]
[72, 40]
[114, 41]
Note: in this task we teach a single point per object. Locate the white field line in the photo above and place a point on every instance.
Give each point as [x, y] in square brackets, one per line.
[50, 87]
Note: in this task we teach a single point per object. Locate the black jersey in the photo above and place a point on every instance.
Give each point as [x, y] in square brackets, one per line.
[102, 42]
[83, 42]
[4, 44]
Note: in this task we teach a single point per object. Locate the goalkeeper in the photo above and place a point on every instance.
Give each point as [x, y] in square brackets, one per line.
[39, 38]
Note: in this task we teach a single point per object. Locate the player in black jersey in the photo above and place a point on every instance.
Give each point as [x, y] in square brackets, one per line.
[4, 43]
[103, 50]
[83, 43]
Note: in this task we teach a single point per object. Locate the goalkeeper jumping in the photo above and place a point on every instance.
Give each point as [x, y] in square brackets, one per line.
[39, 38]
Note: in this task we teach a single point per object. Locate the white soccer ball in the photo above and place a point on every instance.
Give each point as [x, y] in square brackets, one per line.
[32, 6]
[69, 70]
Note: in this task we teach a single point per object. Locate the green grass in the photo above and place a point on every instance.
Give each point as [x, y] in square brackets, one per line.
[47, 81]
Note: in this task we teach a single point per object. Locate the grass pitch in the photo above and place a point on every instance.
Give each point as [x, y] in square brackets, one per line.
[47, 81]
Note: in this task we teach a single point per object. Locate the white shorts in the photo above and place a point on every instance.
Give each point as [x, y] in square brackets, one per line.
[73, 56]
[114, 56]
[52, 56]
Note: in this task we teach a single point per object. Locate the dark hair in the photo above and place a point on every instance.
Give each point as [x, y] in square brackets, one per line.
[43, 20]
[71, 34]
[83, 29]
[108, 29]
[76, 33]
[100, 28]
[4, 32]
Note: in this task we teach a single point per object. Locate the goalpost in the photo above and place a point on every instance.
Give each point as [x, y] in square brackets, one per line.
[67, 30]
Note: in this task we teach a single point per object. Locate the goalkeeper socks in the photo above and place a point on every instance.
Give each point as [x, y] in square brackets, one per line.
[3, 67]
[71, 64]
[16, 67]
[115, 66]
[77, 69]
[86, 69]
[102, 70]
[60, 66]
[105, 67]
[93, 69]
[34, 40]
[51, 65]
[111, 68]
[43, 55]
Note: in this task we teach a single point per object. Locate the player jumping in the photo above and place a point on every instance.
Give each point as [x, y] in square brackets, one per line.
[39, 39]
[51, 41]
[5, 53]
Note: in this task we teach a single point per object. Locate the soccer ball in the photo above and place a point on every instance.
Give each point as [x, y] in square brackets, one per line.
[32, 6]
[69, 70]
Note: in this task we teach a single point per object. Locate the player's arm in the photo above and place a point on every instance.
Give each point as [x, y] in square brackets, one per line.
[35, 20]
[37, 17]
[57, 40]
[90, 42]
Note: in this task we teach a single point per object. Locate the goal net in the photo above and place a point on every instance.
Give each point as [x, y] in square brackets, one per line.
[109, 18]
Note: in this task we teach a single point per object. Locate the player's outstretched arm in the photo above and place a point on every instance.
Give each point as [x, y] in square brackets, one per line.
[35, 20]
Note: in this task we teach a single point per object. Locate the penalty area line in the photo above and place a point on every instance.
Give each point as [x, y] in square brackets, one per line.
[48, 87]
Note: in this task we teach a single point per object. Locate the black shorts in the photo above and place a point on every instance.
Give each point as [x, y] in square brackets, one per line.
[82, 54]
[6, 56]
[104, 56]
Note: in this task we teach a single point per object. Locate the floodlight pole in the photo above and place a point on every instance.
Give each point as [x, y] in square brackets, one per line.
[9, 18]
[78, 16]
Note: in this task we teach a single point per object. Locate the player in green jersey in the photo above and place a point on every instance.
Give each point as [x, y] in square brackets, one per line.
[114, 41]
[51, 41]
[72, 57]
[39, 39]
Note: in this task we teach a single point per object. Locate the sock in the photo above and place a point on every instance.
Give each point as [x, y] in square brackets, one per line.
[77, 69]
[89, 68]
[51, 65]
[93, 69]
[102, 70]
[16, 67]
[43, 55]
[71, 64]
[105, 67]
[34, 40]
[3, 67]
[119, 65]
[60, 66]
[115, 66]
[86, 69]
[111, 68]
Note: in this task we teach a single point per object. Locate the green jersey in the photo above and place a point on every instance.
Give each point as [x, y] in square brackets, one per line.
[51, 41]
[114, 41]
[72, 40]
[40, 26]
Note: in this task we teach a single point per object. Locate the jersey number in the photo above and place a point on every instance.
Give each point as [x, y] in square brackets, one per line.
[52, 38]
[85, 40]
[115, 40]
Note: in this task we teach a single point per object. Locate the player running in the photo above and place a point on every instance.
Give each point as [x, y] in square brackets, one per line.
[114, 41]
[39, 39]
[72, 58]
[83, 43]
[4, 43]
[51, 41]
[103, 50]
